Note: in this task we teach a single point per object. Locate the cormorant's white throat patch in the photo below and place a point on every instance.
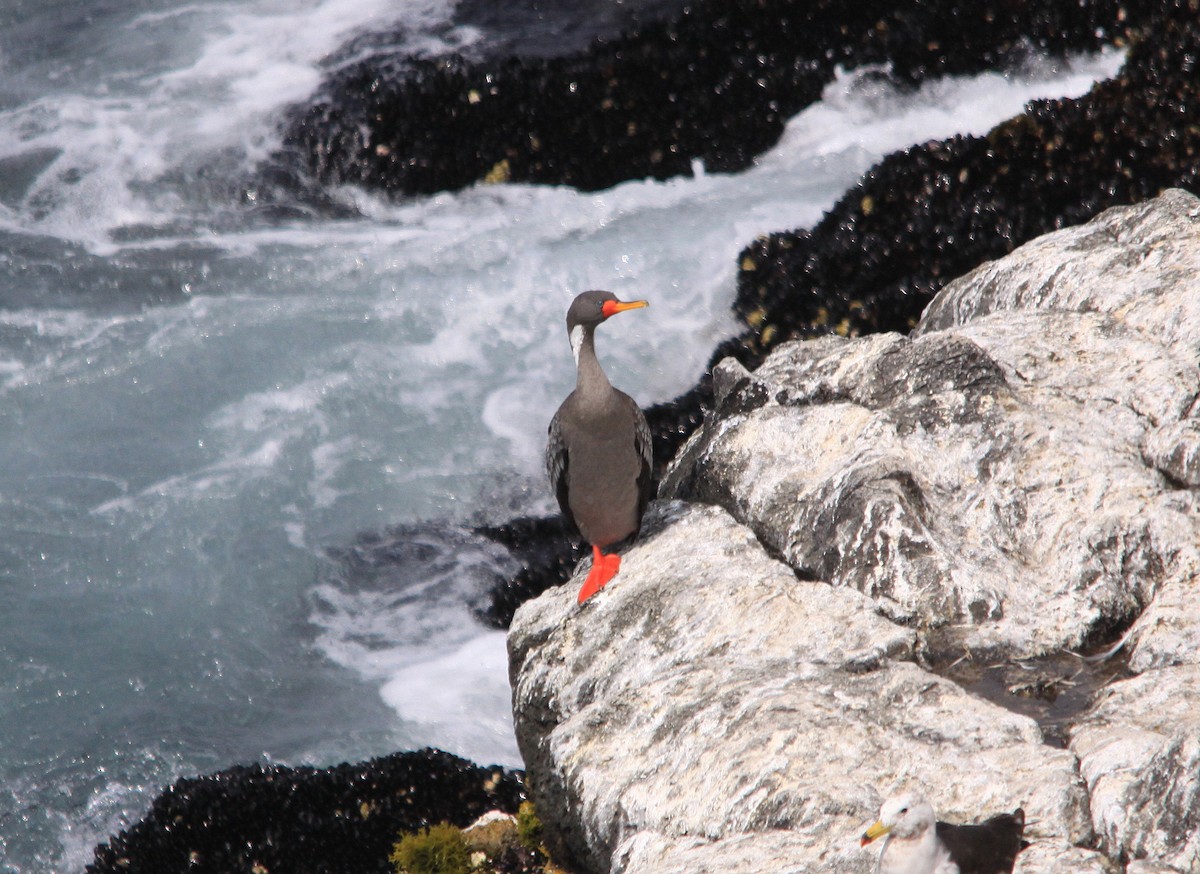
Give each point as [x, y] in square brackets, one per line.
[576, 342]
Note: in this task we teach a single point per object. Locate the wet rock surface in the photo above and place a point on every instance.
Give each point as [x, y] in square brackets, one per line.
[714, 84]
[1055, 690]
[344, 818]
[552, 28]
[882, 561]
[547, 557]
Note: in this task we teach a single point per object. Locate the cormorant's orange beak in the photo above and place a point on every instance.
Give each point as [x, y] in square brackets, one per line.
[612, 307]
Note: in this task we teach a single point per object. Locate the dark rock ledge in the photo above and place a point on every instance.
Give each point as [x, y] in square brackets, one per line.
[932, 212]
[715, 84]
[277, 819]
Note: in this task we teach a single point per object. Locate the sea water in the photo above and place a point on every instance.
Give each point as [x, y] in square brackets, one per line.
[241, 447]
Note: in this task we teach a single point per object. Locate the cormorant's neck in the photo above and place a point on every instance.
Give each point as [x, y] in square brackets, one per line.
[589, 376]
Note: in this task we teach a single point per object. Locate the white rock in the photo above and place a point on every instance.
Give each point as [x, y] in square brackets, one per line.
[1175, 450]
[1130, 262]
[707, 694]
[1017, 477]
[1141, 866]
[965, 477]
[1139, 750]
[778, 852]
[1059, 857]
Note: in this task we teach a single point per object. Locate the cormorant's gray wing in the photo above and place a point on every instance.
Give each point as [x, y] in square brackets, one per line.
[556, 469]
[644, 445]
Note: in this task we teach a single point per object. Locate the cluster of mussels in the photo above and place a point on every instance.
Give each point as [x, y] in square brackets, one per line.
[931, 213]
[346, 818]
[715, 84]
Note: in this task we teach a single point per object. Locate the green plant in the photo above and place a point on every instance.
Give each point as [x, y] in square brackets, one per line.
[529, 827]
[439, 849]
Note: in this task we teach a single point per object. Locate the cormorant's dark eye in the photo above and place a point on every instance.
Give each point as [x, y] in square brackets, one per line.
[903, 810]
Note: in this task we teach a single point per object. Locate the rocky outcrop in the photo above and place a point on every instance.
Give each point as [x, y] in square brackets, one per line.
[855, 515]
[710, 696]
[1133, 268]
[989, 474]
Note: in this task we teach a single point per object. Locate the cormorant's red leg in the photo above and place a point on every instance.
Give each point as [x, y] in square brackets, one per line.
[604, 568]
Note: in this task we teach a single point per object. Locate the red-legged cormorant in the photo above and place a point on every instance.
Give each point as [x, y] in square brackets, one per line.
[598, 456]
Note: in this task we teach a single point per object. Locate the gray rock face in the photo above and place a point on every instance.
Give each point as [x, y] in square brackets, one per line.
[1139, 749]
[989, 477]
[1016, 478]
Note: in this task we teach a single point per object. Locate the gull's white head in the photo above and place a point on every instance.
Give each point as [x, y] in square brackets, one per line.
[906, 816]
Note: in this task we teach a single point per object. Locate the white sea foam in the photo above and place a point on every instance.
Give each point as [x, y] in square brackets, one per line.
[123, 146]
[398, 613]
[329, 460]
[859, 110]
[453, 700]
